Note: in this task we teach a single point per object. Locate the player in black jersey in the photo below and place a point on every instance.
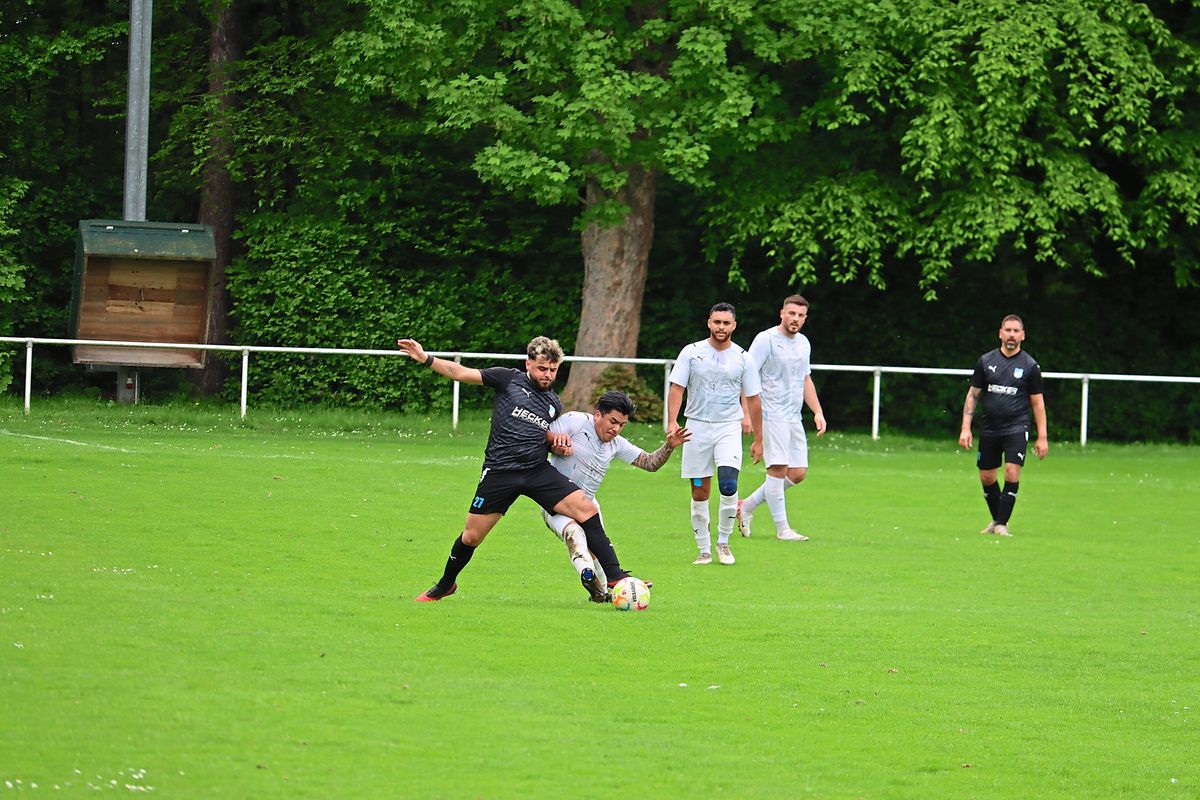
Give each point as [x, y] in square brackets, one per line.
[514, 462]
[1007, 384]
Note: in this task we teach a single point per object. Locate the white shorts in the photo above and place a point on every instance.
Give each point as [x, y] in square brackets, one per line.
[718, 443]
[784, 444]
[559, 522]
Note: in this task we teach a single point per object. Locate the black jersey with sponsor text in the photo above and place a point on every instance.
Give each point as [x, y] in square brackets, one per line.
[1006, 383]
[521, 415]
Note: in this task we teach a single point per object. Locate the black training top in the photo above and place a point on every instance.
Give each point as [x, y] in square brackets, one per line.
[521, 415]
[1007, 382]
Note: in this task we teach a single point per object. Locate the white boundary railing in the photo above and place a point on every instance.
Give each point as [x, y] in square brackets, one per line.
[1085, 378]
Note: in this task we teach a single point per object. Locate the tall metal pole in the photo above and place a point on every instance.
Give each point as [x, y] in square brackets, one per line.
[137, 126]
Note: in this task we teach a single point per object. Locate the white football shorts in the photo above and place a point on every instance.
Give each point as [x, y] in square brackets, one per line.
[712, 443]
[784, 444]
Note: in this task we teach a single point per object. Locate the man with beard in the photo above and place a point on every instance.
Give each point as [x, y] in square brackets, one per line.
[1007, 384]
[514, 462]
[783, 357]
[715, 373]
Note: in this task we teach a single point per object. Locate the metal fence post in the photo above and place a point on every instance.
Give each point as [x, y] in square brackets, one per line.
[1083, 411]
[28, 372]
[875, 404]
[667, 393]
[455, 394]
[245, 374]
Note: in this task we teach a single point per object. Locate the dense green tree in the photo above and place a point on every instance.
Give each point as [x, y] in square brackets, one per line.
[1055, 132]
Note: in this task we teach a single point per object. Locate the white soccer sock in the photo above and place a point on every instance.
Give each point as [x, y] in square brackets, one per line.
[700, 525]
[753, 501]
[774, 491]
[581, 558]
[728, 516]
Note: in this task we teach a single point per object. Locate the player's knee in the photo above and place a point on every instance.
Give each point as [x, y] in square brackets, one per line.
[797, 475]
[727, 480]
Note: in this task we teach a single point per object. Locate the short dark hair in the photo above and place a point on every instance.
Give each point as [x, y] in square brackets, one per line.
[616, 401]
[1013, 317]
[795, 299]
[723, 307]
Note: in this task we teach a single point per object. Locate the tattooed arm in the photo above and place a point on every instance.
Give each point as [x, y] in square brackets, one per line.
[969, 406]
[651, 462]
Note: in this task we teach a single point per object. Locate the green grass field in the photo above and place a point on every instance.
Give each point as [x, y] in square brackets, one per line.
[198, 607]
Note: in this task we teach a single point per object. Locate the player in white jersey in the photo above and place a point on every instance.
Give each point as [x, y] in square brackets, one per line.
[783, 357]
[582, 448]
[715, 373]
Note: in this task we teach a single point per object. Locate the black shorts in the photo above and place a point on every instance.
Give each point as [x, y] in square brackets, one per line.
[1011, 445]
[499, 489]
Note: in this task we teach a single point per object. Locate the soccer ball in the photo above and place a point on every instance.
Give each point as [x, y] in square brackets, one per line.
[631, 594]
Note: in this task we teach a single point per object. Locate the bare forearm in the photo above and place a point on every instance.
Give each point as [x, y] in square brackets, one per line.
[674, 403]
[652, 462]
[969, 406]
[1039, 417]
[810, 397]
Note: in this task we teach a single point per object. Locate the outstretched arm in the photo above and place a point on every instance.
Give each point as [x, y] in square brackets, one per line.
[968, 415]
[450, 369]
[651, 462]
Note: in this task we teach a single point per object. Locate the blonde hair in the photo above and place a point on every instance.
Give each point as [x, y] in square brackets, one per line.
[544, 347]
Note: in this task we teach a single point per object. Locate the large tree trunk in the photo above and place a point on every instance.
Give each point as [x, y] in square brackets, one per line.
[216, 198]
[615, 261]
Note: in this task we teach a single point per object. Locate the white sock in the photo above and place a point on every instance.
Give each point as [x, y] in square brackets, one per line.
[599, 569]
[728, 516]
[774, 491]
[581, 557]
[700, 525]
[752, 502]
[788, 483]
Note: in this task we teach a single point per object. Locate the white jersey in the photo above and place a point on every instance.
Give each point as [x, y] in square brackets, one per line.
[715, 381]
[589, 457]
[783, 363]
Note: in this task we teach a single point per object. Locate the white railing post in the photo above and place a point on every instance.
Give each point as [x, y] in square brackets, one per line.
[1083, 411]
[245, 376]
[455, 394]
[875, 404]
[28, 373]
[667, 393]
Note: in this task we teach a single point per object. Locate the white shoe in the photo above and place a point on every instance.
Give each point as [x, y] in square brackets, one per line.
[790, 535]
[743, 521]
[724, 555]
[703, 558]
[1001, 530]
[991, 527]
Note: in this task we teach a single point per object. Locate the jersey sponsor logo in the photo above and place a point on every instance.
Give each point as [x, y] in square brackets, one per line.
[1018, 372]
[528, 416]
[996, 388]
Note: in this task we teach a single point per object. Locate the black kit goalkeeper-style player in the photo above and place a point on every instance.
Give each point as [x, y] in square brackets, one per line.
[1006, 386]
